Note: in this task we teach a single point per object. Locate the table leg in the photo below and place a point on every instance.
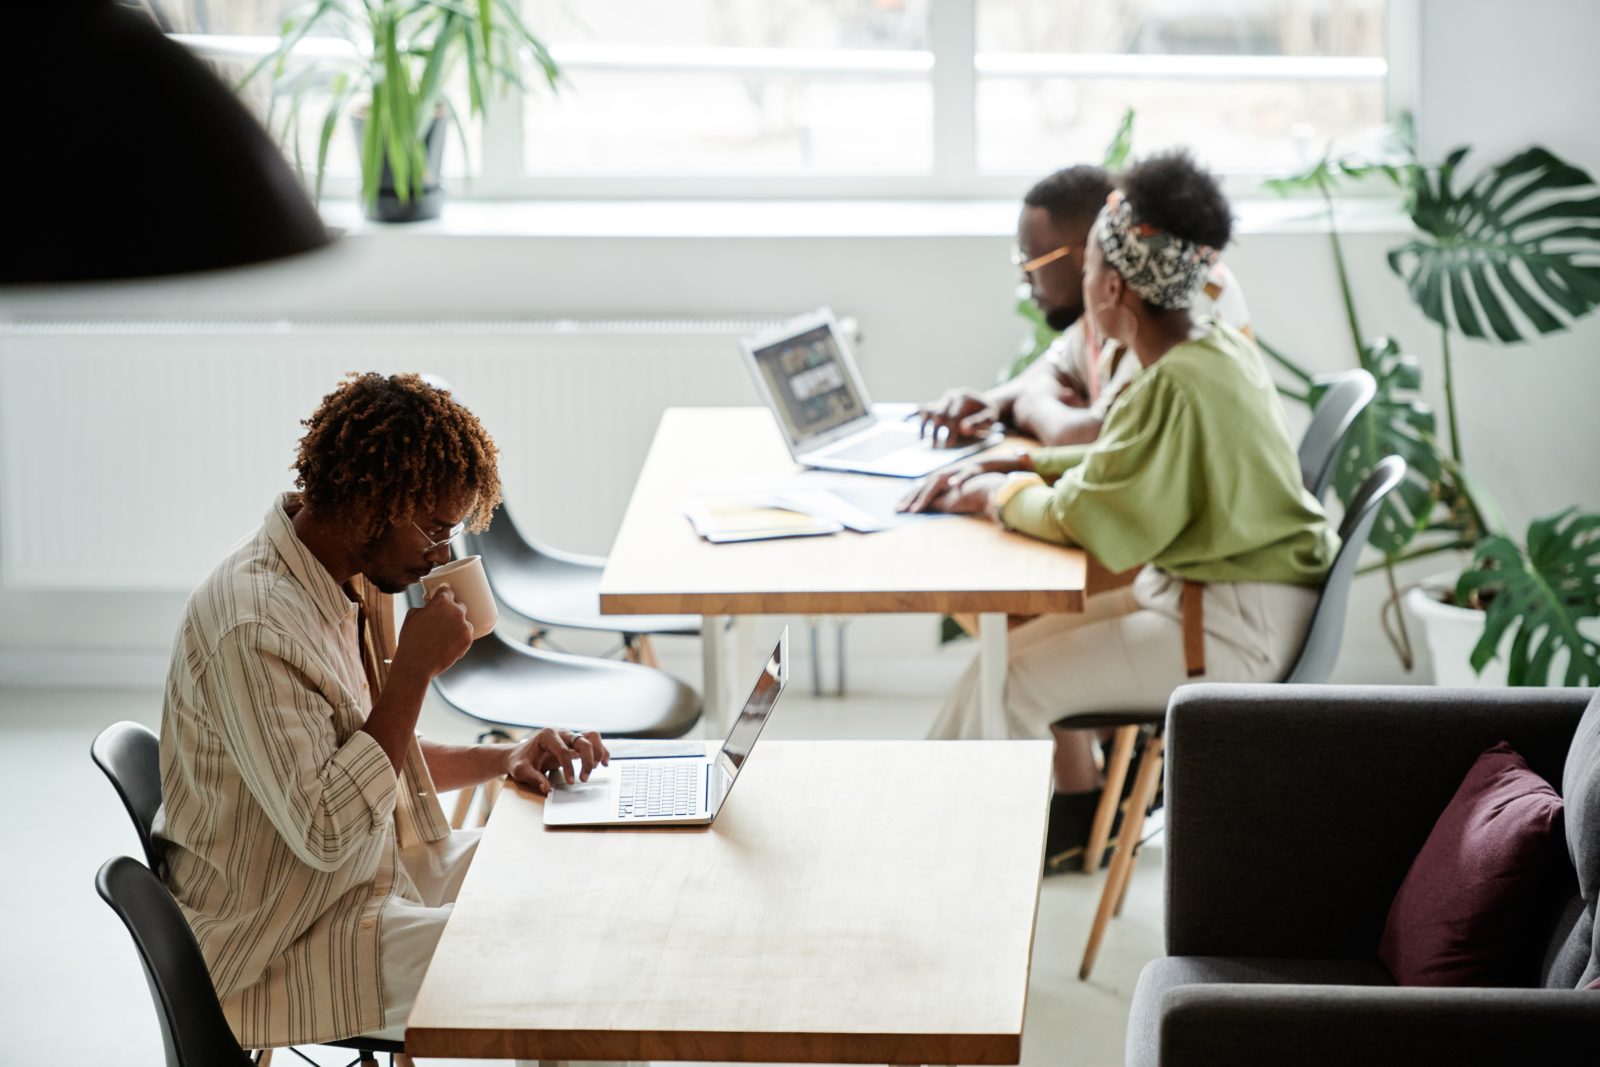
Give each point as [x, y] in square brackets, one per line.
[992, 674]
[714, 655]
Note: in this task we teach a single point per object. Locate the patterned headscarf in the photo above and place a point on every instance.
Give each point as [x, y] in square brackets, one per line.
[1165, 269]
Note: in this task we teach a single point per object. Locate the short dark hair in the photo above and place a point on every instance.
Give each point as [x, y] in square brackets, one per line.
[1074, 195]
[1172, 192]
[378, 447]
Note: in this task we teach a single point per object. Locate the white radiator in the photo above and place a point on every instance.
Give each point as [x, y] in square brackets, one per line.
[134, 454]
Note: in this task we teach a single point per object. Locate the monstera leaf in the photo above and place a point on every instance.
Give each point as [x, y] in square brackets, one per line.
[1396, 423]
[1543, 593]
[1523, 235]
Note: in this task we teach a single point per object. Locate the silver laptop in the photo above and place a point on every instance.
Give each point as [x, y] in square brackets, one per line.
[648, 790]
[808, 378]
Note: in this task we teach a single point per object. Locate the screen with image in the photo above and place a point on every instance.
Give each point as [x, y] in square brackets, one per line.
[807, 376]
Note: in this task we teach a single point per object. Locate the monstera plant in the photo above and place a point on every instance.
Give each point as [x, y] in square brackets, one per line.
[1509, 255]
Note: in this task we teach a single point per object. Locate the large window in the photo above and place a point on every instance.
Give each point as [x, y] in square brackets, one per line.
[943, 98]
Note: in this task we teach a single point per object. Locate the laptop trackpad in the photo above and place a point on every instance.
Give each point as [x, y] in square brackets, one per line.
[582, 802]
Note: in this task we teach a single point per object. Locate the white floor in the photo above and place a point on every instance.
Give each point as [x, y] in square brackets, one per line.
[72, 990]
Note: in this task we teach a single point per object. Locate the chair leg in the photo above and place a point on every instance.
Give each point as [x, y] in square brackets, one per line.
[491, 793]
[1134, 822]
[263, 1057]
[458, 818]
[1110, 797]
[646, 652]
[1144, 791]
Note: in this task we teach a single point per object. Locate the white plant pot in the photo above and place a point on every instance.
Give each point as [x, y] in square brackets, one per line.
[1451, 633]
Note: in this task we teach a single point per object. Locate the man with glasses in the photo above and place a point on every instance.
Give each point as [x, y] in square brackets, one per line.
[300, 818]
[1063, 396]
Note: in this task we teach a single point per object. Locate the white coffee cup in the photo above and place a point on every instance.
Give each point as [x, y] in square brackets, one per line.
[466, 581]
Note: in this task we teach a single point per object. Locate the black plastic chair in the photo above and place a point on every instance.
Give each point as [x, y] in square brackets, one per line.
[547, 587]
[193, 1028]
[1345, 396]
[129, 755]
[1313, 664]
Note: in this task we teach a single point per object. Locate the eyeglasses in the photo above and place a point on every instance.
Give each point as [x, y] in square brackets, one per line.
[450, 535]
[1028, 266]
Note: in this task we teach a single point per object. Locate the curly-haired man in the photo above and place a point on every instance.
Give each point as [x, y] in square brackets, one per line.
[300, 822]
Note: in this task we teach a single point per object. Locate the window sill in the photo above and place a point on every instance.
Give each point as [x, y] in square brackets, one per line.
[824, 219]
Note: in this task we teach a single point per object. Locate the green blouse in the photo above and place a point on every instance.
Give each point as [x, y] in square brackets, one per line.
[1193, 472]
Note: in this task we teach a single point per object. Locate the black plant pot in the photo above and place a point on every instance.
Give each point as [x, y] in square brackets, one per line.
[389, 207]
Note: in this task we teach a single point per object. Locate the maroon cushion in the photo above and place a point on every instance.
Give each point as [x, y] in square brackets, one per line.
[1476, 905]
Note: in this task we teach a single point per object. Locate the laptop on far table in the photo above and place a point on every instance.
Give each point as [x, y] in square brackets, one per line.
[806, 375]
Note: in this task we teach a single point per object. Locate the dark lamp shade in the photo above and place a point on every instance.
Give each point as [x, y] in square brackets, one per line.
[128, 158]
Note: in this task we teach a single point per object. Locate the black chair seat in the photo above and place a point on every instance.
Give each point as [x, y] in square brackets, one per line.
[368, 1044]
[507, 684]
[1099, 720]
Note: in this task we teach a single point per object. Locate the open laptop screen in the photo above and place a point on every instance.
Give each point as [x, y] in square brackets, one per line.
[806, 374]
[752, 717]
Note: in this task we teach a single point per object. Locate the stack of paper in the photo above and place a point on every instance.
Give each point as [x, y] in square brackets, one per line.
[752, 518]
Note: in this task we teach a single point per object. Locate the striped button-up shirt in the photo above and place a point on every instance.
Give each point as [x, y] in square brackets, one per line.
[280, 818]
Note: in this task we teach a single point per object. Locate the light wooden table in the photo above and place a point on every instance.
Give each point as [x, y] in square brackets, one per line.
[944, 565]
[855, 902]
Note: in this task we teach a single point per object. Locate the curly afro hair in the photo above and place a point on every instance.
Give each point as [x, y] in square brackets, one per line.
[380, 450]
[1172, 192]
[1073, 195]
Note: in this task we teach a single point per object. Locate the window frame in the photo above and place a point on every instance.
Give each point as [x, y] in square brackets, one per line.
[954, 174]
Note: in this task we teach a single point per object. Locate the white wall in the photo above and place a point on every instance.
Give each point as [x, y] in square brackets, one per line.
[935, 308]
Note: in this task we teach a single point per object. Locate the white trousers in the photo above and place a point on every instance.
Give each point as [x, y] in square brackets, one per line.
[411, 924]
[1124, 652]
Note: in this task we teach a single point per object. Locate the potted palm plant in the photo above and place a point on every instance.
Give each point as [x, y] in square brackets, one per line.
[389, 72]
[1506, 256]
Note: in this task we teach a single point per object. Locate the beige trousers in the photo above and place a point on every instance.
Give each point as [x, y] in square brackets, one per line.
[411, 924]
[1124, 652]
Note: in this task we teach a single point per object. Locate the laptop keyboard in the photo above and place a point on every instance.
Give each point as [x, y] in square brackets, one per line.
[876, 446]
[657, 789]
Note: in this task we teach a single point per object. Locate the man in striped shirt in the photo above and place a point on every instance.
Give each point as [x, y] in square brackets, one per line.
[302, 830]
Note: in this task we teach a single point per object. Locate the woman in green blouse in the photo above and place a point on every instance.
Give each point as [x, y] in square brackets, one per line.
[1193, 479]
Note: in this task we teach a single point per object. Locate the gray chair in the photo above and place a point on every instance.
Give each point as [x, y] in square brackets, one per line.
[1294, 813]
[1344, 397]
[193, 1028]
[194, 1031]
[1314, 663]
[547, 587]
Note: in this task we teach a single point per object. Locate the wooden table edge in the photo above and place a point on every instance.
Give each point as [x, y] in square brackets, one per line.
[716, 1046]
[854, 602]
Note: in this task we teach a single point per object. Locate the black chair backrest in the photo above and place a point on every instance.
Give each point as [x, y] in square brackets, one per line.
[1326, 632]
[1345, 398]
[193, 1028]
[129, 754]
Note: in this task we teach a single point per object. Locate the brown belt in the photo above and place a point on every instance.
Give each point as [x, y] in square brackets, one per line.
[1192, 603]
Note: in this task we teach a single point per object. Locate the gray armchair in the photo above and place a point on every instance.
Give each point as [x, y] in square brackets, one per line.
[1294, 813]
